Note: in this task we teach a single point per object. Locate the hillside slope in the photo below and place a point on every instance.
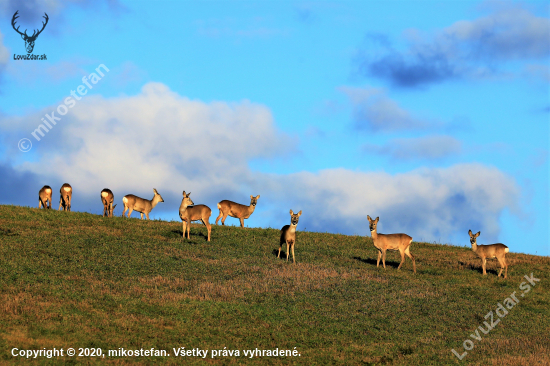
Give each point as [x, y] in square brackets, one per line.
[83, 281]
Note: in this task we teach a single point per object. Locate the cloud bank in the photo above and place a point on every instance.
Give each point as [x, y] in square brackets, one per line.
[159, 139]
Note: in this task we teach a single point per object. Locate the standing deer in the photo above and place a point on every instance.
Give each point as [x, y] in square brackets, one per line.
[198, 212]
[65, 196]
[29, 40]
[288, 235]
[393, 242]
[45, 195]
[143, 206]
[241, 212]
[497, 250]
[107, 198]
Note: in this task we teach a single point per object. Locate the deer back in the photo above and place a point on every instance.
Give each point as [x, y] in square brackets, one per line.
[491, 250]
[45, 193]
[137, 203]
[234, 209]
[197, 212]
[391, 241]
[107, 197]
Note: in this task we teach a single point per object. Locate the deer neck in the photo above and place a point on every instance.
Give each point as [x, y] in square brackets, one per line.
[374, 234]
[474, 247]
[154, 201]
[251, 209]
[292, 228]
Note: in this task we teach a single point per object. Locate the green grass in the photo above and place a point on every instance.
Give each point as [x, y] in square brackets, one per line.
[81, 280]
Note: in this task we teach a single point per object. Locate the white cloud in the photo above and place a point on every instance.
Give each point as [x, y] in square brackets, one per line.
[429, 204]
[159, 139]
[155, 139]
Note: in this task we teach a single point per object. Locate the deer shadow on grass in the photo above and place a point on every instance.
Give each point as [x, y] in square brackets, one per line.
[479, 268]
[372, 261]
[275, 252]
[193, 235]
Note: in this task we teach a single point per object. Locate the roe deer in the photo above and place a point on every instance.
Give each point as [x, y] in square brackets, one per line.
[66, 193]
[107, 198]
[198, 212]
[288, 235]
[45, 195]
[241, 212]
[393, 242]
[497, 250]
[143, 206]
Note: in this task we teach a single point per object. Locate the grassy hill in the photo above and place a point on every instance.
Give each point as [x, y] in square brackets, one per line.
[83, 281]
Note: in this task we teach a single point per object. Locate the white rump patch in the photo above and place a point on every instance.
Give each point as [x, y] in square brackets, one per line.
[506, 250]
[48, 191]
[124, 200]
[67, 189]
[104, 194]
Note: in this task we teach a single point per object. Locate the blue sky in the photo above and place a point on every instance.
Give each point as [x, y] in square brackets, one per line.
[433, 115]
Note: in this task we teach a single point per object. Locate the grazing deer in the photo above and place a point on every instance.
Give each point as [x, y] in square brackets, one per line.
[45, 195]
[497, 250]
[65, 195]
[198, 212]
[288, 236]
[393, 242]
[241, 212]
[143, 206]
[107, 198]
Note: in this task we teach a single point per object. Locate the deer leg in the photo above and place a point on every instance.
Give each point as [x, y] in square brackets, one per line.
[384, 258]
[287, 250]
[402, 258]
[208, 227]
[219, 216]
[408, 253]
[40, 203]
[379, 256]
[293, 256]
[189, 230]
[130, 210]
[242, 222]
[280, 246]
[484, 265]
[502, 266]
[60, 200]
[69, 204]
[184, 228]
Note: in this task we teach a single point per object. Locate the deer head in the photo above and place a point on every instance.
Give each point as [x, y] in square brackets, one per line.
[29, 40]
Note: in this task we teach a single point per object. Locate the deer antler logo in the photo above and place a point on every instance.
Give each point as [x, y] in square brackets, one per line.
[29, 40]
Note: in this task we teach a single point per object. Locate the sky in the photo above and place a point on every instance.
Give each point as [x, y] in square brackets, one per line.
[432, 115]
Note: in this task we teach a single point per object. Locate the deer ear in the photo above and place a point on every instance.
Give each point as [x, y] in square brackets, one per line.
[292, 213]
[377, 218]
[300, 213]
[258, 196]
[188, 194]
[251, 196]
[154, 189]
[368, 218]
[470, 232]
[184, 193]
[479, 232]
